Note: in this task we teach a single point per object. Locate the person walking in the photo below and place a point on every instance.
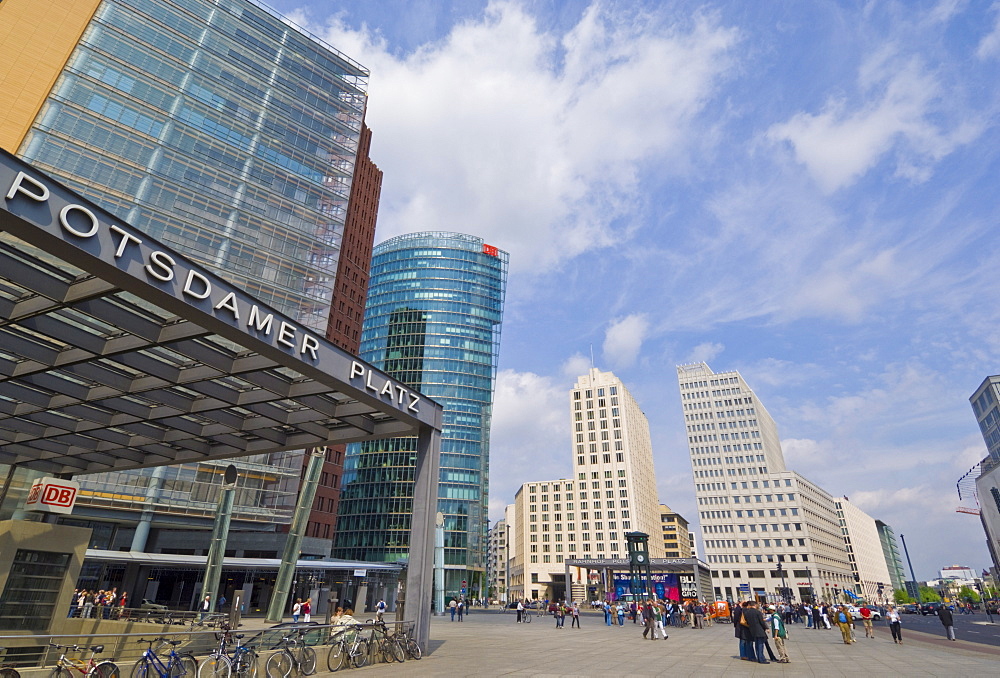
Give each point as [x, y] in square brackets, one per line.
[843, 618]
[866, 618]
[742, 632]
[520, 611]
[948, 620]
[758, 630]
[895, 624]
[296, 610]
[307, 608]
[699, 615]
[560, 615]
[607, 613]
[380, 609]
[779, 634]
[205, 608]
[817, 617]
[575, 614]
[621, 615]
[647, 620]
[461, 609]
[453, 608]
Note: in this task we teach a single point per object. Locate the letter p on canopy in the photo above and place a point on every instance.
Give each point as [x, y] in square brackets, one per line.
[40, 194]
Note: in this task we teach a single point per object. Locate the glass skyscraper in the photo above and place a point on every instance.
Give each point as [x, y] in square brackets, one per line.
[435, 306]
[225, 132]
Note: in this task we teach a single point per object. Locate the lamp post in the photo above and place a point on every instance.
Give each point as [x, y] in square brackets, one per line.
[913, 577]
[784, 591]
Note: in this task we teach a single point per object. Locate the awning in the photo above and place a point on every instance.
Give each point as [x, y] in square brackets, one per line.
[117, 352]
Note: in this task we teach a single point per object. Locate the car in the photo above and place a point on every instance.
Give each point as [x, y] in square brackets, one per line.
[910, 608]
[856, 612]
[932, 607]
[147, 604]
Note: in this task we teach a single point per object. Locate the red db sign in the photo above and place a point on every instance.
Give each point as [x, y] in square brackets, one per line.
[51, 495]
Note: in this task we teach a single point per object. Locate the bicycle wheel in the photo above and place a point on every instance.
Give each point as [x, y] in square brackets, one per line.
[141, 669]
[106, 669]
[413, 649]
[60, 672]
[359, 654]
[307, 660]
[215, 665]
[9, 673]
[335, 657]
[393, 651]
[527, 618]
[278, 665]
[246, 664]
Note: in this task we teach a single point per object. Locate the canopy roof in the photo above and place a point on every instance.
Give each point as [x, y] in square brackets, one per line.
[117, 352]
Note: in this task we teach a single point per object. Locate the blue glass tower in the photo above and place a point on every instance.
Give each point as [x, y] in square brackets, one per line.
[435, 305]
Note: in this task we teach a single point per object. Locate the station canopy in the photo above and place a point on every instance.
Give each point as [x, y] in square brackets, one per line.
[117, 352]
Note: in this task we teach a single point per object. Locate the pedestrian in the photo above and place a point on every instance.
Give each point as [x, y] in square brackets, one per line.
[895, 624]
[221, 604]
[307, 610]
[296, 610]
[699, 615]
[520, 610]
[741, 627]
[824, 614]
[461, 609]
[843, 617]
[607, 613]
[659, 613]
[621, 615]
[757, 629]
[647, 620]
[948, 620]
[206, 607]
[87, 602]
[633, 609]
[380, 609]
[453, 608]
[575, 614]
[866, 619]
[817, 617]
[779, 634]
[560, 615]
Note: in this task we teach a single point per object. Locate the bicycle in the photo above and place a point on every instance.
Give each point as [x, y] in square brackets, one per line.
[410, 644]
[347, 647]
[8, 670]
[178, 665]
[219, 664]
[65, 665]
[388, 645]
[292, 655]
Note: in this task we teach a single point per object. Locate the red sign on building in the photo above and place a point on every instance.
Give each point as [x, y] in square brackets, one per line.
[490, 250]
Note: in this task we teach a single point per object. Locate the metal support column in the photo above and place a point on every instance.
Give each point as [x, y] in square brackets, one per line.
[220, 533]
[300, 520]
[439, 564]
[420, 570]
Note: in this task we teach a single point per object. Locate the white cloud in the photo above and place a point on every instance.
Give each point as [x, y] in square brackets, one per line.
[576, 365]
[532, 139]
[530, 434]
[705, 352]
[989, 46]
[895, 111]
[623, 339]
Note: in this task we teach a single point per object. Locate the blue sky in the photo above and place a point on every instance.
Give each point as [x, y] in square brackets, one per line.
[805, 192]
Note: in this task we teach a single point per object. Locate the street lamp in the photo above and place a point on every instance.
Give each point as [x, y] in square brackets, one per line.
[781, 573]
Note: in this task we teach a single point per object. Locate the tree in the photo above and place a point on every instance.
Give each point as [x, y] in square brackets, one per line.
[901, 597]
[929, 595]
[967, 594]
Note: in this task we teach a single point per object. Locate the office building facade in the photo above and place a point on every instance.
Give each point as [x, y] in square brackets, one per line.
[676, 536]
[986, 407]
[433, 319]
[496, 563]
[222, 130]
[864, 552]
[753, 512]
[891, 553]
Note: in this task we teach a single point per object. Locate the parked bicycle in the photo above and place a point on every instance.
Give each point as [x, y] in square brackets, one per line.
[8, 670]
[410, 644]
[293, 655]
[151, 664]
[388, 645]
[347, 647]
[220, 664]
[66, 665]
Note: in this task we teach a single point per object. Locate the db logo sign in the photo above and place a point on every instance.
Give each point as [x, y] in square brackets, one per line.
[51, 495]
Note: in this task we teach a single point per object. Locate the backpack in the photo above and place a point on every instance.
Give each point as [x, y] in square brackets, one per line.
[842, 618]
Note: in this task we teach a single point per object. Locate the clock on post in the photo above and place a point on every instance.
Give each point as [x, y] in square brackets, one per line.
[637, 544]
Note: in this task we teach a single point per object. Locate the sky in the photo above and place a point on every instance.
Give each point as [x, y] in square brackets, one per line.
[805, 192]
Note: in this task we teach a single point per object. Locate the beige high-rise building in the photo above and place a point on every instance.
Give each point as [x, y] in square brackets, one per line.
[753, 512]
[864, 551]
[612, 491]
[676, 534]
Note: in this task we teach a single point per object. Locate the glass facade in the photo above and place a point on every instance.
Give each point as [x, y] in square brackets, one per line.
[225, 132]
[433, 318]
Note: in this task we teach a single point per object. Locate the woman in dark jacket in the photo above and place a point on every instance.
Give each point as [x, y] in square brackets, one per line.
[743, 633]
[757, 630]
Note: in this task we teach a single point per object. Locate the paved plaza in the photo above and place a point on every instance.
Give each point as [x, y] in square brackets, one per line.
[491, 644]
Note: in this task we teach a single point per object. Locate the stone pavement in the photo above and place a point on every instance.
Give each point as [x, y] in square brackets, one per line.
[491, 644]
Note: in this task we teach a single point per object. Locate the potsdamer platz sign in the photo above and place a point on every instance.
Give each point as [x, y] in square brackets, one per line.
[117, 352]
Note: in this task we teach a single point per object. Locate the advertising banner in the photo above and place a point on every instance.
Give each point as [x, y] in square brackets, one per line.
[665, 586]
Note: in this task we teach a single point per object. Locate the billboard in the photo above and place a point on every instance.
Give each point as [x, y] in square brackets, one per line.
[665, 586]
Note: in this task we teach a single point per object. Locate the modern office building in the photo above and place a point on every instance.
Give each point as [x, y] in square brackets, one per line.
[864, 552]
[985, 406]
[229, 134]
[753, 512]
[676, 536]
[890, 551]
[433, 317]
[612, 491]
[496, 563]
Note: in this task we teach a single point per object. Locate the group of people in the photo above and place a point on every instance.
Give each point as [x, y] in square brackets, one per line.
[302, 609]
[457, 606]
[692, 613]
[754, 627]
[97, 604]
